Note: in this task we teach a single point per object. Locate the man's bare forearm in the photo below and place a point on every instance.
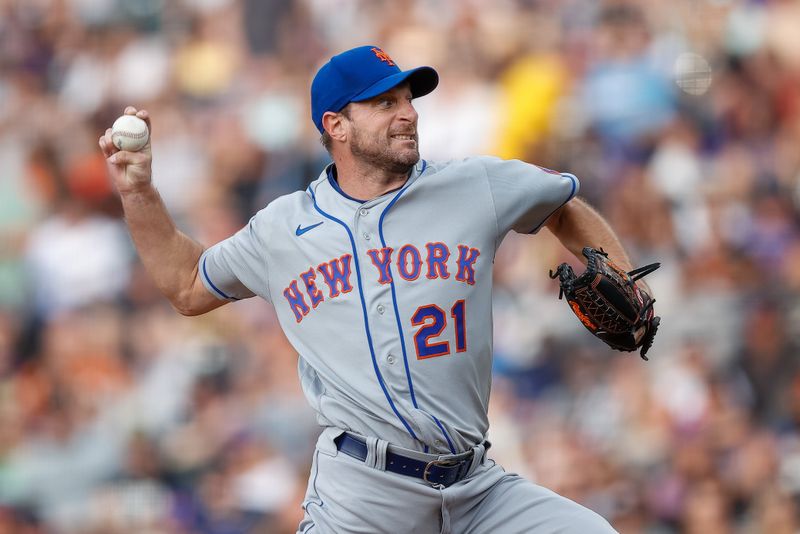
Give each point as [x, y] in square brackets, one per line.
[169, 256]
[578, 225]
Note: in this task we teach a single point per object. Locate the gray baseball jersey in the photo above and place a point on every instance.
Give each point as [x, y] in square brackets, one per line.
[388, 302]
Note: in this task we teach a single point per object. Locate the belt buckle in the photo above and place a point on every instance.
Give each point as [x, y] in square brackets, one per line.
[437, 463]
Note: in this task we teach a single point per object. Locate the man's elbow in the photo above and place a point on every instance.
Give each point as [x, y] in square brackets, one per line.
[187, 310]
[190, 305]
[554, 223]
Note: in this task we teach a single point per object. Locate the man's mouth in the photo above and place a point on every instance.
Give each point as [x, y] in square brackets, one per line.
[404, 137]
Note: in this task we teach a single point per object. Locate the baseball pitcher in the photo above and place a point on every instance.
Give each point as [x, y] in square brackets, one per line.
[381, 277]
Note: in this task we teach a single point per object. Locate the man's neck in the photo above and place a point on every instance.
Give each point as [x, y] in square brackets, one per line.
[366, 182]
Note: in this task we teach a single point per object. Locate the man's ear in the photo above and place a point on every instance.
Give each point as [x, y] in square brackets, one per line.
[334, 125]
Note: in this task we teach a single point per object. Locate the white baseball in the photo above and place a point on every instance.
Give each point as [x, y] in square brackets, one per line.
[129, 132]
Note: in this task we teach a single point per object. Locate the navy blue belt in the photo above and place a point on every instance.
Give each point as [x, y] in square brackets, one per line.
[444, 472]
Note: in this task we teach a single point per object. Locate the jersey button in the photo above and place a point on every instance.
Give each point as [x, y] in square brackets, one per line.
[390, 359]
[381, 309]
[364, 212]
[366, 236]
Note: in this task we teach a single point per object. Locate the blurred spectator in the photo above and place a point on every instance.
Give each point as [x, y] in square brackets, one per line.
[120, 416]
[627, 99]
[75, 259]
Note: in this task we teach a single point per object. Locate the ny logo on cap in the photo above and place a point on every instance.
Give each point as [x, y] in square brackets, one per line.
[383, 56]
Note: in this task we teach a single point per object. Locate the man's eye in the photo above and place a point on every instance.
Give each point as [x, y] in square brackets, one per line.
[385, 102]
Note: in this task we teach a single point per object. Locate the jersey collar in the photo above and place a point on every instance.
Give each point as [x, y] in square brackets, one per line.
[330, 195]
[330, 170]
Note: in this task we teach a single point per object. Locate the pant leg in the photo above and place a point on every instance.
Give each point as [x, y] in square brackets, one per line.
[345, 496]
[496, 502]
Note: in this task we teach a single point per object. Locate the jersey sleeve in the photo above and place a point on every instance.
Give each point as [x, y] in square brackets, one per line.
[525, 195]
[236, 268]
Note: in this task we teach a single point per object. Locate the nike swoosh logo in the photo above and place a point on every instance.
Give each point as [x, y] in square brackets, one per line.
[301, 231]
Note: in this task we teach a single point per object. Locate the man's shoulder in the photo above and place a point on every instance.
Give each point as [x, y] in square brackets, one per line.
[486, 165]
[459, 165]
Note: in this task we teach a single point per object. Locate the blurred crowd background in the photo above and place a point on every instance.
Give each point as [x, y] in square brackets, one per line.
[681, 118]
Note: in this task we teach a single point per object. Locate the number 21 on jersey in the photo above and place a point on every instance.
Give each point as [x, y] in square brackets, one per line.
[432, 321]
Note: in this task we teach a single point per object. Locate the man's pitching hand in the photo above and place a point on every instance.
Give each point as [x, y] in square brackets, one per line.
[130, 171]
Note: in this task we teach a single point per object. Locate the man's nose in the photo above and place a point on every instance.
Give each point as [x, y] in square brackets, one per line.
[408, 112]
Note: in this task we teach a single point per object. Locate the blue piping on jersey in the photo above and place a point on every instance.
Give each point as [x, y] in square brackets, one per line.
[394, 299]
[397, 314]
[215, 288]
[446, 436]
[335, 184]
[571, 194]
[364, 311]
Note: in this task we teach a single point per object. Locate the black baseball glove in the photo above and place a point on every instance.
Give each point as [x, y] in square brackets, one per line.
[610, 303]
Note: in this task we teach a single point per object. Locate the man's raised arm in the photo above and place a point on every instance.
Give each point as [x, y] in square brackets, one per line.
[169, 255]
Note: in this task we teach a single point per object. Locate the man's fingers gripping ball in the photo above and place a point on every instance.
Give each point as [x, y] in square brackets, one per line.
[129, 133]
[609, 302]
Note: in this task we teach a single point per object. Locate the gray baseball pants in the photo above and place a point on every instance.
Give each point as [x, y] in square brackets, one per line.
[346, 495]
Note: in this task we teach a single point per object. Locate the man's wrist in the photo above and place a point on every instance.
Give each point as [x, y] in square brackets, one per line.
[145, 193]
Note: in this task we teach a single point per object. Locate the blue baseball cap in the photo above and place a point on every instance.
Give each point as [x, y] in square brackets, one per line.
[359, 74]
